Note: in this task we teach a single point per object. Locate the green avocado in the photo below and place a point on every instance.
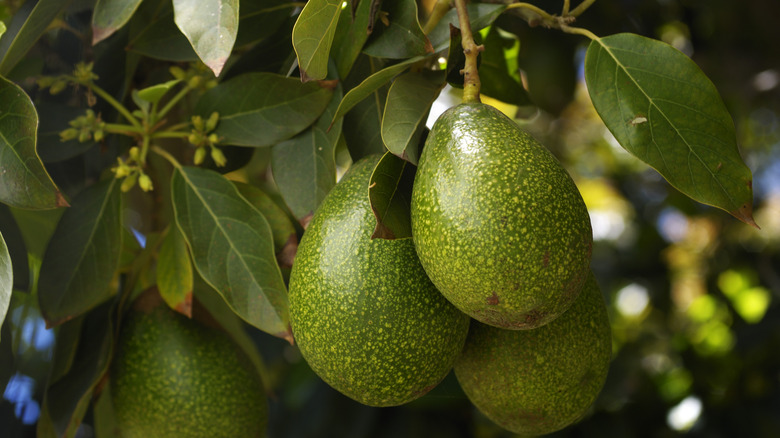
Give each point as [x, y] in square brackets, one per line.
[535, 382]
[498, 223]
[365, 316]
[176, 377]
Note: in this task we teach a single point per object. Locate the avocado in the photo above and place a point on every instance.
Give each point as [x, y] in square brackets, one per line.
[535, 382]
[173, 376]
[498, 223]
[365, 316]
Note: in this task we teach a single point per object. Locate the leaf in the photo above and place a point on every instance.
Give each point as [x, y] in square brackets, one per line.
[312, 37]
[362, 126]
[154, 34]
[282, 229]
[6, 279]
[109, 16]
[390, 195]
[154, 93]
[351, 34]
[304, 167]
[232, 247]
[210, 26]
[498, 69]
[262, 109]
[24, 182]
[28, 24]
[174, 272]
[662, 108]
[403, 38]
[408, 103]
[16, 249]
[481, 16]
[82, 255]
[259, 19]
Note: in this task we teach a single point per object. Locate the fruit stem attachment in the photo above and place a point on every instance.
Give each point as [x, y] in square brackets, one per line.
[471, 83]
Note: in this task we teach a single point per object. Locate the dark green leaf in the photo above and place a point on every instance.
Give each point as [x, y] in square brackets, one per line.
[154, 34]
[210, 26]
[351, 35]
[82, 255]
[232, 247]
[24, 182]
[498, 70]
[16, 248]
[406, 110]
[362, 126]
[7, 366]
[110, 15]
[262, 109]
[259, 19]
[662, 108]
[53, 118]
[37, 227]
[285, 239]
[304, 167]
[156, 92]
[174, 272]
[313, 35]
[390, 194]
[403, 38]
[6, 279]
[29, 23]
[481, 15]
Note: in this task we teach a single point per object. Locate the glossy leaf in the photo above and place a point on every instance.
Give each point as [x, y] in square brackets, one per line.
[82, 255]
[262, 109]
[24, 182]
[498, 70]
[481, 16]
[6, 279]
[362, 126]
[156, 92]
[408, 103]
[351, 34]
[390, 195]
[282, 228]
[109, 16]
[30, 22]
[210, 26]
[313, 35]
[662, 108]
[174, 272]
[232, 247]
[304, 167]
[403, 38]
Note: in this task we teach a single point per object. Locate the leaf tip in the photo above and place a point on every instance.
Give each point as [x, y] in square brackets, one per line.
[100, 33]
[287, 335]
[304, 221]
[59, 200]
[286, 256]
[745, 214]
[185, 306]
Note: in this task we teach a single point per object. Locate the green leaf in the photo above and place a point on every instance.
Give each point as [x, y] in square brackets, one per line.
[282, 228]
[403, 38]
[82, 255]
[174, 272]
[210, 26]
[390, 195]
[304, 167]
[28, 24]
[260, 19]
[362, 126]
[498, 70]
[262, 109]
[232, 247]
[16, 249]
[156, 92]
[406, 110]
[154, 34]
[662, 108]
[24, 182]
[109, 16]
[351, 35]
[481, 16]
[6, 279]
[313, 35]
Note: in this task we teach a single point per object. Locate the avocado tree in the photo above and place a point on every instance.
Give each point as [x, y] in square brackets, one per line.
[182, 148]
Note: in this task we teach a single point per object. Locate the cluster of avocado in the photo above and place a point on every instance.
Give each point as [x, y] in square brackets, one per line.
[495, 282]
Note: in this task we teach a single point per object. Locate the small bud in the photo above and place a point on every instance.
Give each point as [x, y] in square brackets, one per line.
[195, 81]
[213, 139]
[90, 116]
[129, 182]
[98, 135]
[134, 153]
[145, 183]
[200, 155]
[84, 135]
[218, 157]
[57, 86]
[197, 123]
[69, 134]
[177, 72]
[194, 139]
[44, 82]
[211, 123]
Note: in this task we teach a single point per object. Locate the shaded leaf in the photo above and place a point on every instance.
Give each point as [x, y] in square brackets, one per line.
[498, 69]
[408, 103]
[16, 249]
[262, 109]
[390, 195]
[82, 255]
[210, 26]
[259, 19]
[174, 272]
[362, 126]
[481, 16]
[232, 247]
[313, 35]
[24, 182]
[154, 93]
[283, 230]
[662, 108]
[109, 16]
[351, 34]
[304, 167]
[403, 38]
[154, 34]
[6, 279]
[28, 24]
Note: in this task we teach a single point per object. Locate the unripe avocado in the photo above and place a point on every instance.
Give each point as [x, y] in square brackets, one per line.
[175, 377]
[498, 223]
[366, 317]
[535, 382]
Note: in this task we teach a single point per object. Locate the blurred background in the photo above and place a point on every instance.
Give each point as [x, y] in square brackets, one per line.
[693, 294]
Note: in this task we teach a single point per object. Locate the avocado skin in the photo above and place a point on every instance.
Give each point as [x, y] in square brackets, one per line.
[174, 377]
[365, 316]
[535, 382]
[498, 223]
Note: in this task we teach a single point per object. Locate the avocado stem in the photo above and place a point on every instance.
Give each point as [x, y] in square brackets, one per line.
[471, 83]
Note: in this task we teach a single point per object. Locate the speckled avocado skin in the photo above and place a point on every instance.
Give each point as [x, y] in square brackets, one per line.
[535, 382]
[365, 316]
[498, 223]
[173, 377]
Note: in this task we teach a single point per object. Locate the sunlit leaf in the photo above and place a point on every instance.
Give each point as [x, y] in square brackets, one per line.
[109, 16]
[313, 35]
[403, 37]
[262, 109]
[156, 92]
[82, 255]
[210, 26]
[389, 192]
[24, 182]
[232, 247]
[28, 24]
[174, 272]
[498, 70]
[6, 279]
